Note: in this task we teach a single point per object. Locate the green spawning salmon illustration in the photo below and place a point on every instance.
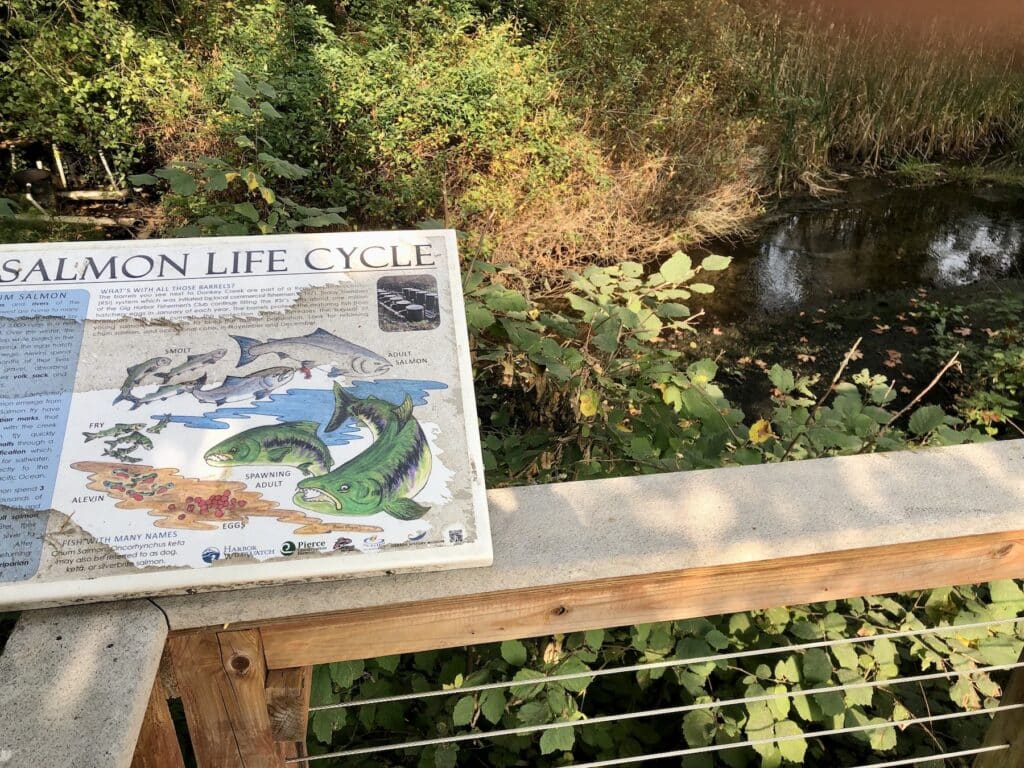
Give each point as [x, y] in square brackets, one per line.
[294, 443]
[383, 478]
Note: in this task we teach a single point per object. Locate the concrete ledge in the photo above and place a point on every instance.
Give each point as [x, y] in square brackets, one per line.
[75, 682]
[575, 532]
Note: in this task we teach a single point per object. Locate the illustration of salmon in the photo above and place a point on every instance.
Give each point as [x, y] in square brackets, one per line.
[169, 390]
[192, 363]
[317, 348]
[137, 373]
[294, 443]
[258, 384]
[383, 478]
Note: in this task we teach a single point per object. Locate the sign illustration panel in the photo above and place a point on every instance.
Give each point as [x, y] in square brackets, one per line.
[188, 414]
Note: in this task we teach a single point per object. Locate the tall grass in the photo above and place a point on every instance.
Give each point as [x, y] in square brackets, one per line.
[722, 88]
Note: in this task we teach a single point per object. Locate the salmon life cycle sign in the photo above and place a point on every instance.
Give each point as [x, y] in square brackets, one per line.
[209, 413]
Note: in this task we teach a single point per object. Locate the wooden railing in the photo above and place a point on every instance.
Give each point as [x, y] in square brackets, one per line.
[592, 555]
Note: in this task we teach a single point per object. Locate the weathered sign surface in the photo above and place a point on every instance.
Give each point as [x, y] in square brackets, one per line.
[188, 414]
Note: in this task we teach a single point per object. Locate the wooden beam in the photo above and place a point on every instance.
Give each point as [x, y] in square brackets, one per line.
[492, 616]
[288, 693]
[222, 678]
[158, 743]
[1006, 728]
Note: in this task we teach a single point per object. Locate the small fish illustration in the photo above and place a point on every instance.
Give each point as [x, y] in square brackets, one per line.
[136, 375]
[294, 443]
[136, 439]
[259, 385]
[383, 478]
[115, 431]
[159, 427]
[317, 348]
[169, 390]
[192, 363]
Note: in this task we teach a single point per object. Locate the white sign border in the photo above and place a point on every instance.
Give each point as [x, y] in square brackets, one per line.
[27, 593]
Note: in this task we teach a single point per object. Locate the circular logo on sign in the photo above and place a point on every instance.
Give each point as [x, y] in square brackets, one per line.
[288, 548]
[210, 554]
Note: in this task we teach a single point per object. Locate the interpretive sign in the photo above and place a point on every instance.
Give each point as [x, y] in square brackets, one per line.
[188, 414]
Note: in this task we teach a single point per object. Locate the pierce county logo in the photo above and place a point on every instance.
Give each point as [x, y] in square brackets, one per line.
[417, 535]
[210, 555]
[288, 548]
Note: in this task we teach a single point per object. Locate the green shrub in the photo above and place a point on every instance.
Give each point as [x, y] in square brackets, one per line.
[80, 75]
[771, 675]
[601, 385]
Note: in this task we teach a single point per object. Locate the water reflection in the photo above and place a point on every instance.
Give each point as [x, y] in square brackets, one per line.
[877, 239]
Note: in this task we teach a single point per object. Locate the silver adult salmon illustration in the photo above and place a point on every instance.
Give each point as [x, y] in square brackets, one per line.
[192, 363]
[383, 478]
[169, 390]
[293, 443]
[136, 375]
[317, 348]
[259, 385]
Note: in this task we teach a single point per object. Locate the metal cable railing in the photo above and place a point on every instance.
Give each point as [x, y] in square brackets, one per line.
[706, 705]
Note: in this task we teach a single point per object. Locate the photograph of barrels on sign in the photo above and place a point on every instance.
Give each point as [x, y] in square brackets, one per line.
[408, 303]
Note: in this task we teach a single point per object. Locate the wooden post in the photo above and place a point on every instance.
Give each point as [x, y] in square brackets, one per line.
[1007, 728]
[222, 678]
[288, 693]
[158, 743]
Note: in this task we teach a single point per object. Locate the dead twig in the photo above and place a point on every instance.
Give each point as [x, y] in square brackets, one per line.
[821, 401]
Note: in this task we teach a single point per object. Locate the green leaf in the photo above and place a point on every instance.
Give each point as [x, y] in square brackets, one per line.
[678, 268]
[573, 665]
[240, 82]
[244, 142]
[925, 419]
[781, 378]
[446, 756]
[326, 722]
[492, 705]
[999, 650]
[266, 89]
[143, 179]
[557, 739]
[817, 666]
[216, 182]
[345, 673]
[248, 211]
[715, 263]
[504, 300]
[239, 104]
[846, 656]
[268, 111]
[792, 749]
[463, 712]
[527, 690]
[282, 168]
[321, 689]
[478, 316]
[534, 713]
[181, 183]
[514, 652]
[699, 728]
[701, 288]
[388, 663]
[1005, 591]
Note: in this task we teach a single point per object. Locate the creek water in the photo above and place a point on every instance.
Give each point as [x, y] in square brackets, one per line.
[876, 237]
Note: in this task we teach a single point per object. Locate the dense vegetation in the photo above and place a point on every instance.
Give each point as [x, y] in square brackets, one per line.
[578, 146]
